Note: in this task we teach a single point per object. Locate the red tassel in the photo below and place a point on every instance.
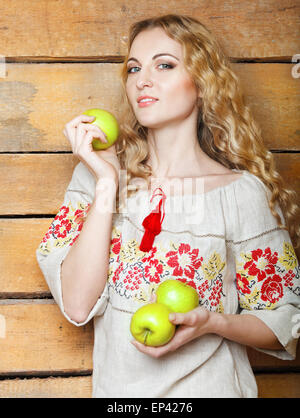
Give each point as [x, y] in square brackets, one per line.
[152, 224]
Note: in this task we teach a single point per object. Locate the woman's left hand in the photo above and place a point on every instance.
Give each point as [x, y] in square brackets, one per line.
[192, 324]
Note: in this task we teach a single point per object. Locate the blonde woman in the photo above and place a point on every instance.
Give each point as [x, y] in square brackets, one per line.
[183, 119]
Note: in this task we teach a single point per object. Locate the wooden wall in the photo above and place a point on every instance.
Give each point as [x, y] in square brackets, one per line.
[60, 58]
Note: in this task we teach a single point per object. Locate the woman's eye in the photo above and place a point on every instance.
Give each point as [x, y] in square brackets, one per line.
[166, 66]
[132, 68]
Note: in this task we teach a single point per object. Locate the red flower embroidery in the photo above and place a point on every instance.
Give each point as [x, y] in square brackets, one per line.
[215, 295]
[288, 278]
[271, 289]
[242, 284]
[153, 270]
[79, 215]
[134, 278]
[185, 261]
[262, 263]
[116, 245]
[47, 235]
[117, 273]
[61, 230]
[64, 210]
[189, 282]
[204, 286]
[74, 239]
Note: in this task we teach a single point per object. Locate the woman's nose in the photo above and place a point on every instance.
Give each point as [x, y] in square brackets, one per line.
[144, 80]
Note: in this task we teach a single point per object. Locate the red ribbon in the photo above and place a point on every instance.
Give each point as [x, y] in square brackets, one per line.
[152, 222]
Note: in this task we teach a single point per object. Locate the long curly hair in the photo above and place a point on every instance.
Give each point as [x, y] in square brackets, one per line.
[226, 129]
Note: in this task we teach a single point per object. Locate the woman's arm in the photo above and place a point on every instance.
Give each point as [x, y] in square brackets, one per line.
[243, 329]
[84, 270]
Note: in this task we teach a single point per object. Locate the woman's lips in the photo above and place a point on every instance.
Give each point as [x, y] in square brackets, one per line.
[145, 101]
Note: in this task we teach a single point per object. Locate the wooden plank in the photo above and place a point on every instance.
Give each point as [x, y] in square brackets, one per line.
[263, 362]
[285, 385]
[34, 184]
[52, 344]
[273, 96]
[99, 28]
[20, 275]
[38, 100]
[40, 181]
[50, 387]
[38, 338]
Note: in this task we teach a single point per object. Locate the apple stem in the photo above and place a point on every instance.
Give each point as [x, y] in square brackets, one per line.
[146, 336]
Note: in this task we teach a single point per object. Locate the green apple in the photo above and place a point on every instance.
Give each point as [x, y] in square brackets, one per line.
[150, 325]
[178, 296]
[107, 123]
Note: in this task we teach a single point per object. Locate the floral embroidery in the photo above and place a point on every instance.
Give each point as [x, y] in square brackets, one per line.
[184, 261]
[65, 227]
[262, 276]
[271, 289]
[213, 267]
[261, 263]
[243, 284]
[136, 274]
[288, 259]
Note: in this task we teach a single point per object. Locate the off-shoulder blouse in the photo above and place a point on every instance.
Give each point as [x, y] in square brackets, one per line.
[225, 243]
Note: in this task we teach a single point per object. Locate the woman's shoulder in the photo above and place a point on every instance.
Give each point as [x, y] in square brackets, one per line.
[220, 178]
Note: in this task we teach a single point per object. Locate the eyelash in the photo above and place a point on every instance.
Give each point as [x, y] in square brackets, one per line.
[169, 65]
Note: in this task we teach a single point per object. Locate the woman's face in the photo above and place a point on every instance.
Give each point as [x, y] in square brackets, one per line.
[163, 78]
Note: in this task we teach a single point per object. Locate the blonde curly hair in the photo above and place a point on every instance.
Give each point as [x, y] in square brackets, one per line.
[226, 129]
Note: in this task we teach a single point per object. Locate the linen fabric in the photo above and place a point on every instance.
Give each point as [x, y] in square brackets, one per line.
[225, 243]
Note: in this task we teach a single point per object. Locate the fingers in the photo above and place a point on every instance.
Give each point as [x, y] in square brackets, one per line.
[153, 297]
[154, 352]
[81, 137]
[81, 118]
[71, 128]
[88, 132]
[193, 318]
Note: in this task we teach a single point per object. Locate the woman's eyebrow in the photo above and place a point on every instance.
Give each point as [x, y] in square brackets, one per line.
[154, 57]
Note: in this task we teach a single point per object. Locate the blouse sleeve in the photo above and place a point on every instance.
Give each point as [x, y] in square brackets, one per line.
[63, 232]
[267, 269]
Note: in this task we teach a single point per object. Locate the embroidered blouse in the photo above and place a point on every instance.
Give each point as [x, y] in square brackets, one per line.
[227, 246]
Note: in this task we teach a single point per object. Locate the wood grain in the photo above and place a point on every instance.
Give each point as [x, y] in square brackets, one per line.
[21, 276]
[98, 28]
[38, 100]
[286, 385]
[283, 385]
[38, 338]
[50, 387]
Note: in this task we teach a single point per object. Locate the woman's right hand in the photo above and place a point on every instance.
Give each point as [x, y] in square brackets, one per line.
[103, 163]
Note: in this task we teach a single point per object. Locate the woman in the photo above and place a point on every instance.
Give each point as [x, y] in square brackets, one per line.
[184, 118]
